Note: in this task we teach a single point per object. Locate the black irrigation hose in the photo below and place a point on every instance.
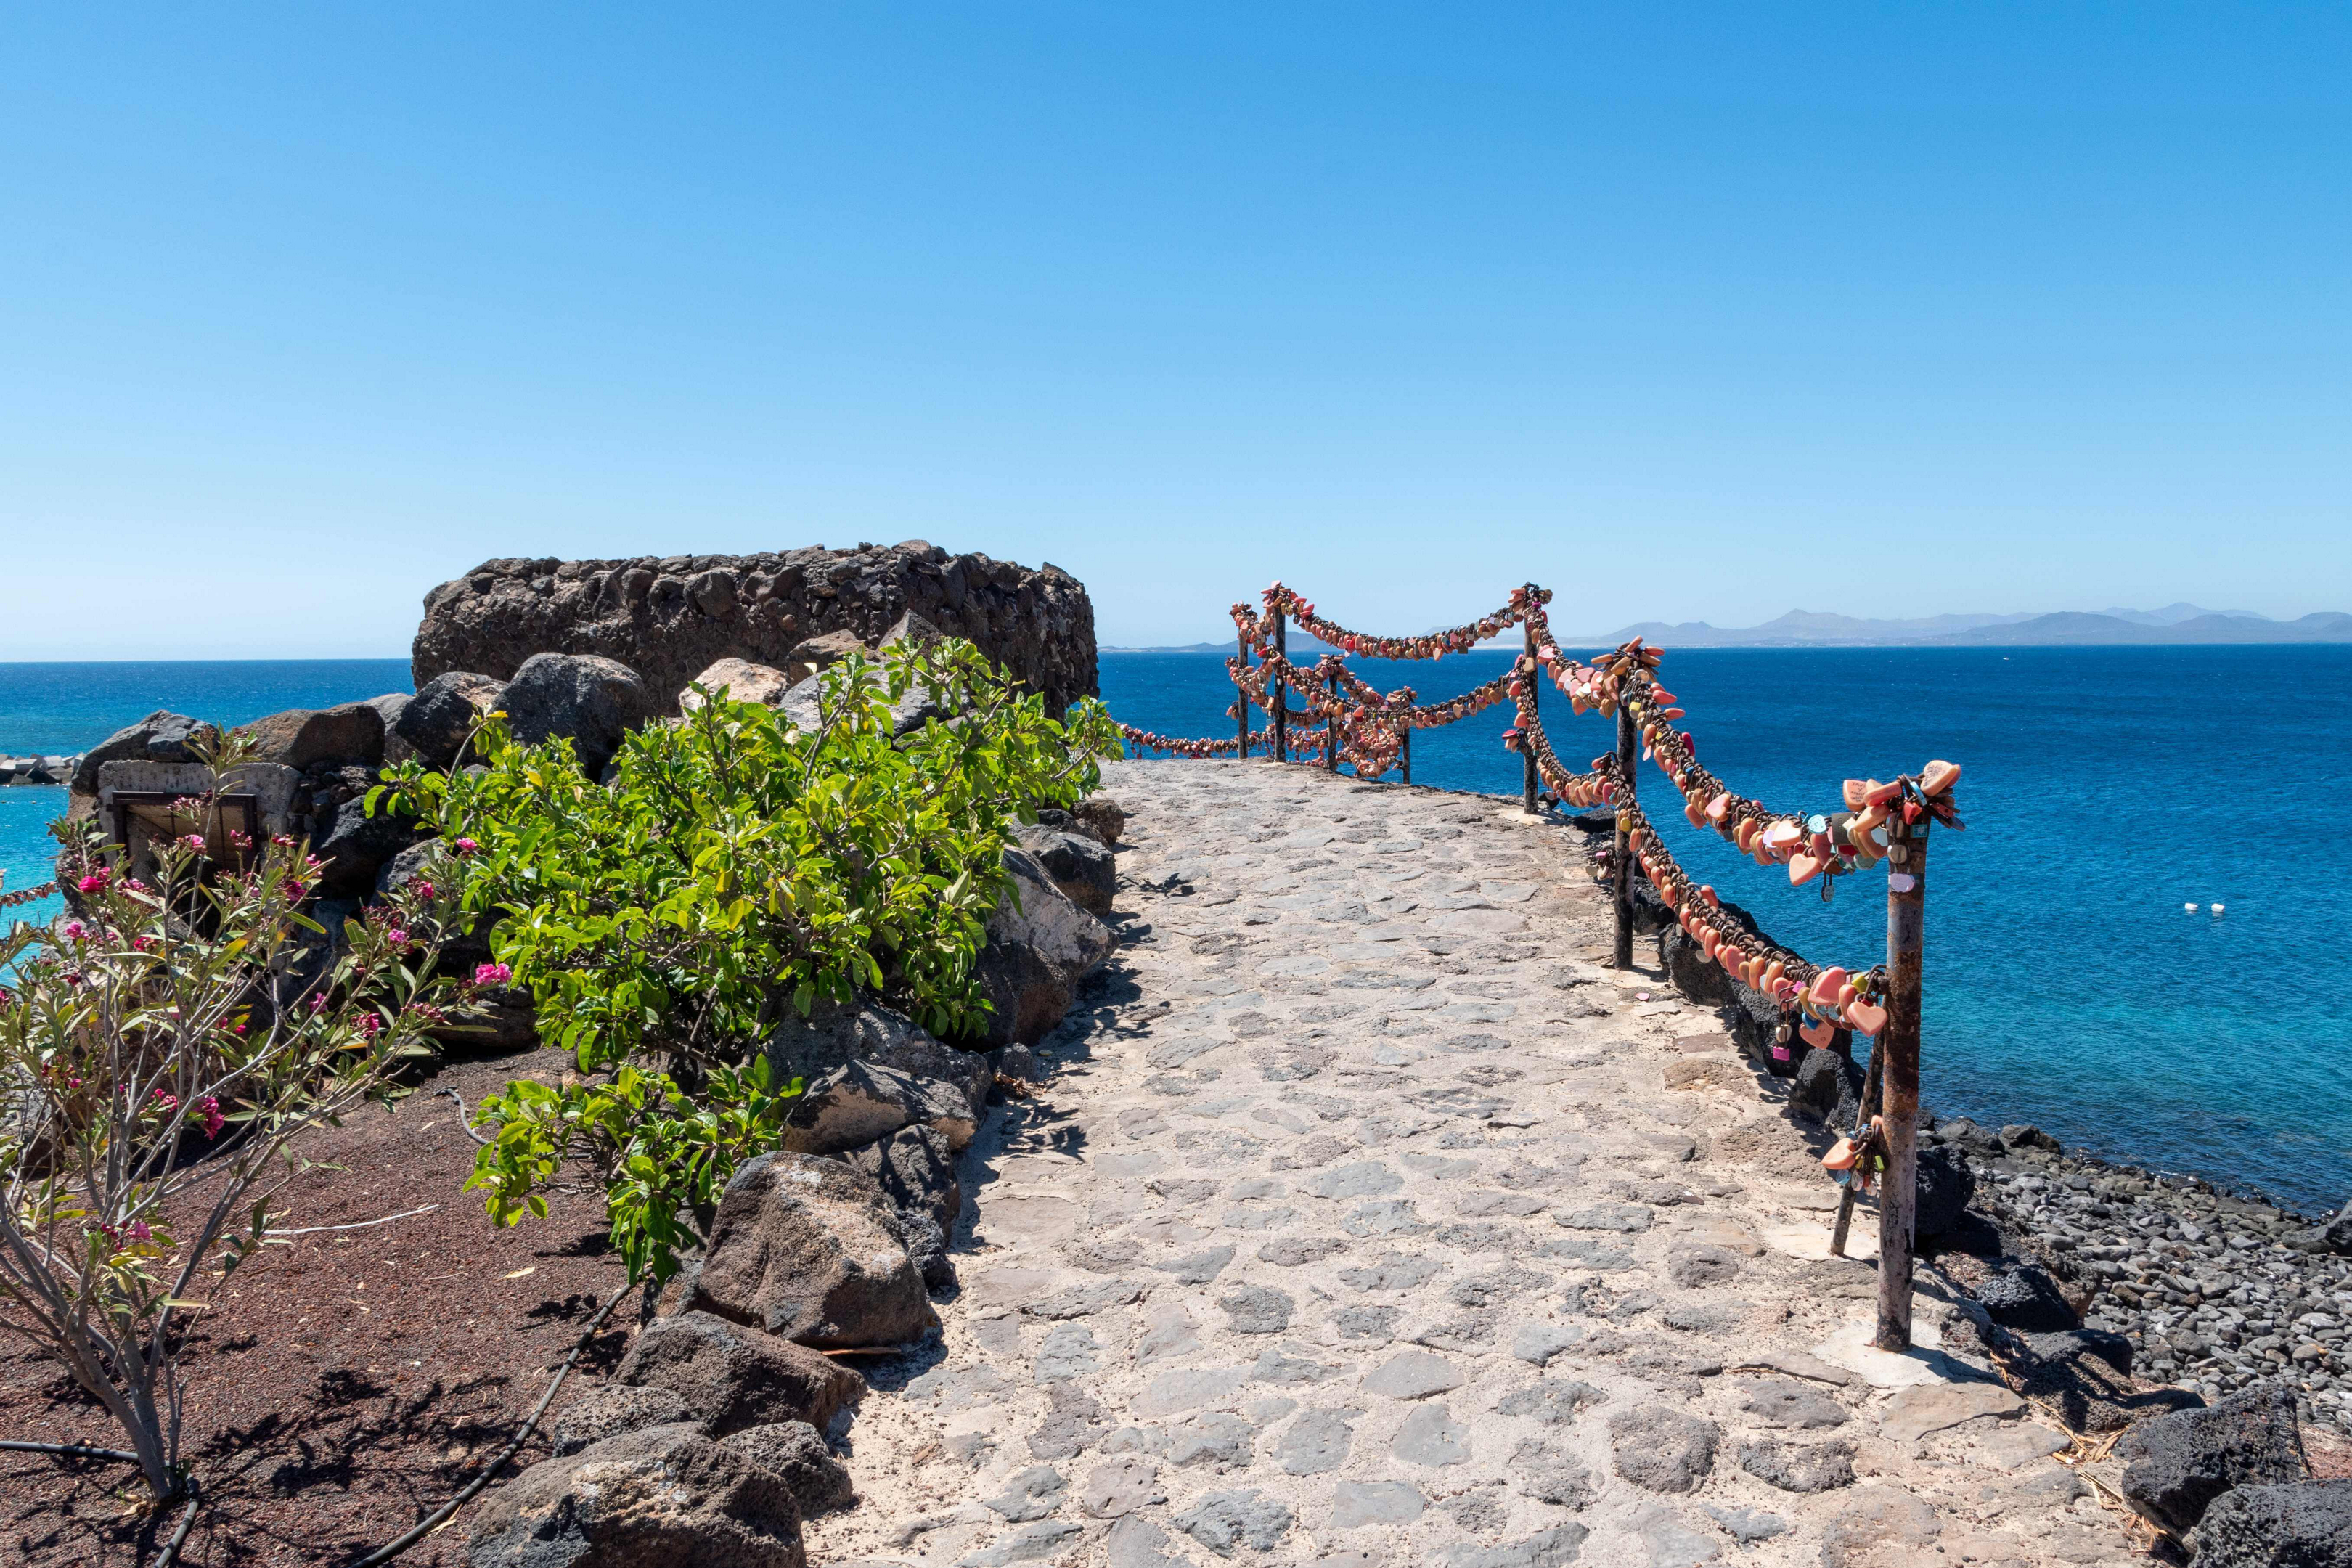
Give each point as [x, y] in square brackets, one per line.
[187, 1521]
[467, 1493]
[66, 1450]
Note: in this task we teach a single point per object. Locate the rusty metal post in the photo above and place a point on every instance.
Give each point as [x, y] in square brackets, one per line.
[1628, 756]
[1906, 895]
[1404, 749]
[1240, 692]
[1281, 692]
[1527, 751]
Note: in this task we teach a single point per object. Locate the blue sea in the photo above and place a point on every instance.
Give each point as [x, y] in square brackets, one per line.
[2105, 788]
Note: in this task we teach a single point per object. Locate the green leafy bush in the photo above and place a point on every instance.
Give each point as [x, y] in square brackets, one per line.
[736, 867]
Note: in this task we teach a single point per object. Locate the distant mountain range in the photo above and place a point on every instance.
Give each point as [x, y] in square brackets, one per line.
[2180, 623]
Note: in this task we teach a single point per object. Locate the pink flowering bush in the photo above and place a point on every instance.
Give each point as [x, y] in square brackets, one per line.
[160, 1056]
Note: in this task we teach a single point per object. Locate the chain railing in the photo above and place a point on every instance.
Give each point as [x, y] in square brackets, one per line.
[1877, 823]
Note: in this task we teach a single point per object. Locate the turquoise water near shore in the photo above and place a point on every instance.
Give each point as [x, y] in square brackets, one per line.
[2105, 788]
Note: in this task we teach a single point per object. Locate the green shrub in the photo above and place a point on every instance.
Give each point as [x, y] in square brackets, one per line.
[736, 867]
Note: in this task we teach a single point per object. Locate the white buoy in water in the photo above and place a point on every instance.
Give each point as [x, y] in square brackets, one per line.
[2217, 908]
[2190, 908]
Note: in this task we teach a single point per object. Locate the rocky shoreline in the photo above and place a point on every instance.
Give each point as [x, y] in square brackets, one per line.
[51, 769]
[2213, 1290]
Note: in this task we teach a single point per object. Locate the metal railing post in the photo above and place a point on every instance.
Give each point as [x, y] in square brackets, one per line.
[1240, 692]
[1281, 692]
[1906, 904]
[1629, 756]
[1528, 780]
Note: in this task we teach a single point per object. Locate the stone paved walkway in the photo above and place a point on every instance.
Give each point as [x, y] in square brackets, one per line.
[1358, 1226]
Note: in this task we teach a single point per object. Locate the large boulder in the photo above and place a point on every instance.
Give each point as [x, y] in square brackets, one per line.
[814, 656]
[1940, 1195]
[796, 1451]
[593, 702]
[1691, 971]
[652, 1498]
[436, 721]
[731, 1376]
[860, 1101]
[303, 737]
[740, 680]
[615, 1408]
[2306, 1526]
[2085, 1374]
[354, 847]
[388, 708]
[1101, 817]
[2027, 1298]
[811, 1250]
[1085, 872]
[161, 737]
[835, 1034]
[1828, 1087]
[915, 1167]
[2175, 1466]
[669, 618]
[1040, 945]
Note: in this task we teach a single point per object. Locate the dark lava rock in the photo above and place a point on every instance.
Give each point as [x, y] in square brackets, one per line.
[732, 1377]
[795, 1450]
[438, 718]
[592, 703]
[1795, 1468]
[2085, 1374]
[671, 618]
[2306, 1526]
[161, 737]
[2175, 1466]
[644, 1500]
[1828, 1087]
[300, 737]
[1087, 873]
[1941, 1193]
[809, 1249]
[2026, 1299]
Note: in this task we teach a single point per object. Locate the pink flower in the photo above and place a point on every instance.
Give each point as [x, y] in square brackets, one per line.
[214, 1120]
[318, 1001]
[492, 974]
[75, 930]
[397, 937]
[369, 1024]
[465, 846]
[95, 882]
[170, 1102]
[193, 841]
[135, 885]
[139, 1231]
[423, 889]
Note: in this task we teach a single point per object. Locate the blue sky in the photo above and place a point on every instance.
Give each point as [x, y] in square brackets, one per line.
[1688, 311]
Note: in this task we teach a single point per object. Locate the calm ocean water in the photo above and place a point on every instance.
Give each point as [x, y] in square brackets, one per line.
[2105, 788]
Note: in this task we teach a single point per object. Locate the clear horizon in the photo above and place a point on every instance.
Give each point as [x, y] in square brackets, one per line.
[1884, 313]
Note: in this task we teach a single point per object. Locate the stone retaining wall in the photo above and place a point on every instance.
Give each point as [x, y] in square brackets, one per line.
[670, 618]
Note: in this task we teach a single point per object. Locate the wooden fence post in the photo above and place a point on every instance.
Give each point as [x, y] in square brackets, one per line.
[1907, 895]
[1281, 694]
[1241, 642]
[1527, 757]
[1629, 754]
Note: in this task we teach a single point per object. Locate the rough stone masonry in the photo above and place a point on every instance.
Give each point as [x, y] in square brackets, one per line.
[1365, 1220]
[669, 618]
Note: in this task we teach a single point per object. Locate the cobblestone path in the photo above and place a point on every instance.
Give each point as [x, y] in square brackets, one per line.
[1357, 1224]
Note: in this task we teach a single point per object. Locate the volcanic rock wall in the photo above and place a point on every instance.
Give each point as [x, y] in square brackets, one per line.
[671, 618]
